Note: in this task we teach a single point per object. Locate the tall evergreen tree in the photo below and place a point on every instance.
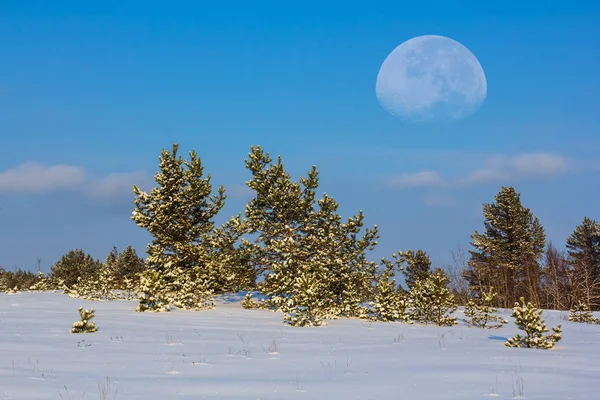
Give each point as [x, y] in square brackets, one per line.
[507, 255]
[583, 247]
[179, 215]
[418, 267]
[302, 244]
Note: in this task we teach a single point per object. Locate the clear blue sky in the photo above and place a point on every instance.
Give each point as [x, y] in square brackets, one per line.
[90, 92]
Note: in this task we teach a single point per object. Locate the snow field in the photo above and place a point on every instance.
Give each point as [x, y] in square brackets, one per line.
[232, 353]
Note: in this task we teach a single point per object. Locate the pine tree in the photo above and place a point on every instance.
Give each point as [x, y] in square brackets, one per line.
[192, 290]
[583, 247]
[43, 284]
[86, 325]
[302, 244]
[389, 304]
[418, 267]
[152, 293]
[308, 308]
[482, 314]
[73, 265]
[179, 215]
[507, 255]
[581, 313]
[529, 319]
[249, 303]
[432, 301]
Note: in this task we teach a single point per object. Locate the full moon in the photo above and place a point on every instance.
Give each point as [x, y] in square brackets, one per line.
[431, 78]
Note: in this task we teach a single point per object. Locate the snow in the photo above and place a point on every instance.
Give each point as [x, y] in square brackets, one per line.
[232, 353]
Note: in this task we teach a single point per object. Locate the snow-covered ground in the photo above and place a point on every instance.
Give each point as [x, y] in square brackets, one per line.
[232, 353]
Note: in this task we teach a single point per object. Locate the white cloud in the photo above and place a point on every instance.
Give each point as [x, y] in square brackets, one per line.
[34, 178]
[495, 169]
[415, 180]
[516, 168]
[117, 185]
[39, 178]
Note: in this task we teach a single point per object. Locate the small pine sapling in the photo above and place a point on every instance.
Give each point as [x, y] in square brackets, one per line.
[85, 325]
[249, 303]
[482, 314]
[529, 319]
[581, 313]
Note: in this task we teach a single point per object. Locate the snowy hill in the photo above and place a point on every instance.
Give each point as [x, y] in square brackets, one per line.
[232, 353]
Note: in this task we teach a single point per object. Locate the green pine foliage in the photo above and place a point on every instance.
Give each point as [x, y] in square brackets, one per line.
[389, 304]
[191, 290]
[583, 247]
[431, 301]
[17, 280]
[124, 266]
[482, 313]
[581, 313]
[249, 303]
[507, 255]
[98, 287]
[528, 318]
[86, 325]
[302, 245]
[179, 214]
[418, 266]
[74, 265]
[152, 292]
[307, 308]
[42, 283]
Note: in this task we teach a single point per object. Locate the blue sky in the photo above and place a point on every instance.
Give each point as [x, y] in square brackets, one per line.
[90, 92]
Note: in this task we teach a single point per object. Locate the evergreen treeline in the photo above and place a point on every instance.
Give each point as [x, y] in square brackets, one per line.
[313, 265]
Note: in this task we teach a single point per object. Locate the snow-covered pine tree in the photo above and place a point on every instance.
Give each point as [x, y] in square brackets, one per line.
[581, 312]
[308, 308]
[249, 303]
[431, 301]
[528, 318]
[43, 284]
[299, 246]
[179, 215]
[389, 304]
[482, 313]
[152, 293]
[130, 287]
[418, 266]
[192, 290]
[86, 325]
[106, 284]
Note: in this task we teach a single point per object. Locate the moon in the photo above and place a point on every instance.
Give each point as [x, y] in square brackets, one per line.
[431, 78]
